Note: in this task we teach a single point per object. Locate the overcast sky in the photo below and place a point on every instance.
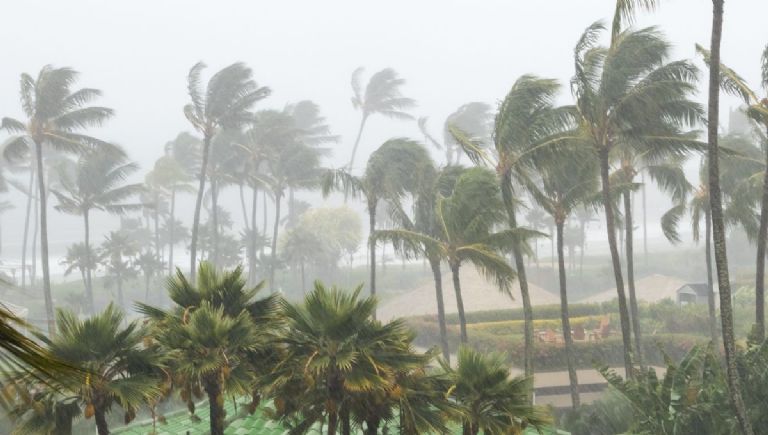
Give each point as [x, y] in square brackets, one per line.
[451, 52]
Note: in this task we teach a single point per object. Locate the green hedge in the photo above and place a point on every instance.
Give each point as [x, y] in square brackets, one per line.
[552, 356]
[539, 312]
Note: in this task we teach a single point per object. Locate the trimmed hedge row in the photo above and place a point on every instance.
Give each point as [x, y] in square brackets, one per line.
[552, 356]
[507, 327]
[539, 312]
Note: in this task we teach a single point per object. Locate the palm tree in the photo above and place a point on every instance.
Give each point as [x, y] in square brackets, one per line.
[566, 182]
[337, 356]
[97, 184]
[757, 110]
[491, 400]
[382, 96]
[181, 161]
[116, 251]
[149, 265]
[667, 172]
[628, 95]
[475, 121]
[55, 113]
[718, 224]
[79, 258]
[120, 367]
[225, 103]
[5, 206]
[465, 221]
[393, 170]
[300, 246]
[212, 336]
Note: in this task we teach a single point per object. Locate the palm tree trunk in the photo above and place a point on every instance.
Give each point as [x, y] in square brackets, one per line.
[100, 415]
[35, 229]
[718, 225]
[760, 275]
[88, 271]
[44, 239]
[147, 277]
[26, 230]
[242, 206]
[372, 425]
[645, 220]
[273, 255]
[303, 278]
[522, 279]
[459, 301]
[264, 222]
[215, 220]
[629, 253]
[120, 298]
[198, 206]
[437, 274]
[372, 246]
[710, 285]
[171, 229]
[216, 407]
[567, 338]
[357, 141]
[252, 245]
[611, 230]
[156, 218]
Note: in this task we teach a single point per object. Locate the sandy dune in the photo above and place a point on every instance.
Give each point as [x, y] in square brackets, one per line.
[478, 293]
[652, 288]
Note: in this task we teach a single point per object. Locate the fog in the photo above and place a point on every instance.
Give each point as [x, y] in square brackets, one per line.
[138, 53]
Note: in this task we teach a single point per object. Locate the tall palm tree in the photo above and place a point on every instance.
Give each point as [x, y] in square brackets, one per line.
[466, 220]
[149, 265]
[79, 258]
[566, 182]
[224, 103]
[97, 184]
[120, 367]
[667, 172]
[393, 170]
[212, 334]
[54, 115]
[382, 96]
[629, 95]
[527, 128]
[757, 110]
[180, 163]
[116, 252]
[491, 400]
[718, 224]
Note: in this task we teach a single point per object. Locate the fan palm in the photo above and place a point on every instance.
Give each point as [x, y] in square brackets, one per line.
[491, 400]
[465, 222]
[382, 96]
[335, 357]
[224, 103]
[97, 184]
[628, 95]
[214, 335]
[55, 113]
[394, 169]
[565, 183]
[120, 367]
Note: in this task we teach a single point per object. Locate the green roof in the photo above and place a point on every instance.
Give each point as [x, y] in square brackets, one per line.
[181, 423]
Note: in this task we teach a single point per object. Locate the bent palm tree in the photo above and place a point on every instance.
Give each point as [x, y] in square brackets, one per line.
[566, 182]
[382, 96]
[224, 103]
[757, 110]
[394, 169]
[628, 95]
[55, 113]
[97, 184]
[465, 222]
